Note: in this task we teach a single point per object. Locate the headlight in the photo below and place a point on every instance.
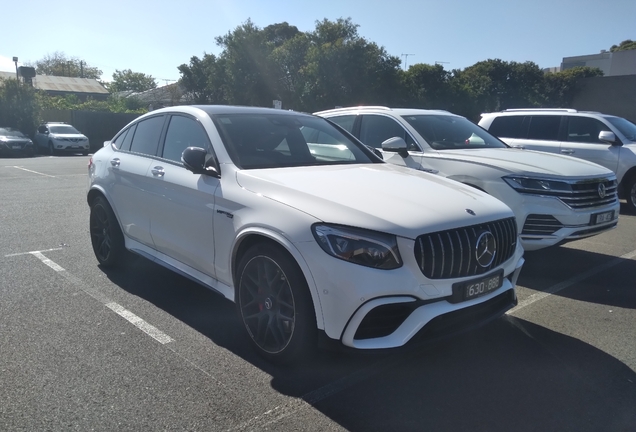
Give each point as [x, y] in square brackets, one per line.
[359, 246]
[532, 185]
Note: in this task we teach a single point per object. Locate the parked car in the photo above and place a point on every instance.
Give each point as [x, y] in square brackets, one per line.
[54, 138]
[554, 198]
[308, 238]
[605, 139]
[12, 141]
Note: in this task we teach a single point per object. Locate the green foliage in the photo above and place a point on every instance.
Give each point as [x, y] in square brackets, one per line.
[204, 79]
[112, 104]
[129, 80]
[58, 64]
[623, 46]
[494, 85]
[19, 107]
[560, 88]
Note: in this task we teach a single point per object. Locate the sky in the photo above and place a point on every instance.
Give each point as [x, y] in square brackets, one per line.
[155, 37]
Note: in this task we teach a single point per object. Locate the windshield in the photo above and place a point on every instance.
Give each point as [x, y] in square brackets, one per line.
[625, 127]
[63, 129]
[447, 132]
[272, 141]
[11, 133]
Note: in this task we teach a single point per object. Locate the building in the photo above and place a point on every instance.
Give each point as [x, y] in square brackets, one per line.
[611, 63]
[83, 88]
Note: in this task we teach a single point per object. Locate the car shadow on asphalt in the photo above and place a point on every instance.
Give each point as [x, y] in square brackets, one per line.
[508, 375]
[582, 275]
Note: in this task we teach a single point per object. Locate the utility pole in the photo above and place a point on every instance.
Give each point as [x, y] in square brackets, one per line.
[81, 68]
[17, 77]
[406, 57]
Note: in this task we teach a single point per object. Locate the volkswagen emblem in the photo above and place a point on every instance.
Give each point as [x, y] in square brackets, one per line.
[601, 191]
[470, 212]
[485, 249]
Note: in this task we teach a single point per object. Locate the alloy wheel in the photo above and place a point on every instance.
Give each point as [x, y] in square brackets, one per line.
[266, 303]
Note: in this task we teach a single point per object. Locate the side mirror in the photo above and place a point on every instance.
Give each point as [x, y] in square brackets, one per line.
[195, 159]
[608, 136]
[396, 145]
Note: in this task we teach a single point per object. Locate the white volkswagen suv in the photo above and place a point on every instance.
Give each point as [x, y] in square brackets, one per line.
[601, 138]
[308, 238]
[555, 198]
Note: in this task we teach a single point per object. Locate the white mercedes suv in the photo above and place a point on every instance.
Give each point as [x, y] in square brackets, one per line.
[304, 228]
[555, 198]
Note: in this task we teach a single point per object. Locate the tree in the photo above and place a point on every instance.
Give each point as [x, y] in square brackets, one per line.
[494, 85]
[249, 71]
[19, 106]
[343, 68]
[204, 79]
[624, 46]
[129, 80]
[58, 64]
[427, 86]
[560, 88]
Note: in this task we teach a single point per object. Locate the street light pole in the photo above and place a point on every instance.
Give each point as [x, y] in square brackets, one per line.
[17, 78]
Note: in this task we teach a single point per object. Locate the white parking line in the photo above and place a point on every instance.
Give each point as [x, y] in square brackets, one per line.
[569, 282]
[150, 330]
[34, 172]
[138, 322]
[32, 252]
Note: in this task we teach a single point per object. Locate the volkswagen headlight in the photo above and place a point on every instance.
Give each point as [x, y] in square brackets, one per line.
[532, 185]
[359, 246]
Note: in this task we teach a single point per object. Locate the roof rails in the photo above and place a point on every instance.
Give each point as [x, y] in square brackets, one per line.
[541, 109]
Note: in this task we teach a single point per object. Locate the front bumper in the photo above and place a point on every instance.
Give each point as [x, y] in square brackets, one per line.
[351, 296]
[544, 221]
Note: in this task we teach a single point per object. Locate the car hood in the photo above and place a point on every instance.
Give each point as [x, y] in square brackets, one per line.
[379, 197]
[519, 161]
[14, 140]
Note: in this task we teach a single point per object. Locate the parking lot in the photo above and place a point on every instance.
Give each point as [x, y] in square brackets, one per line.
[142, 348]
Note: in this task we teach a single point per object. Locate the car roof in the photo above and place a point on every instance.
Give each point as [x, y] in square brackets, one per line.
[228, 109]
[383, 109]
[545, 111]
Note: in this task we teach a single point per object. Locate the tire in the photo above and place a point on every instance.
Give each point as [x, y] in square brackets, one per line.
[630, 194]
[274, 304]
[85, 153]
[106, 236]
[51, 149]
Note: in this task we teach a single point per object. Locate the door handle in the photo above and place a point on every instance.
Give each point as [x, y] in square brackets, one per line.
[567, 151]
[115, 162]
[158, 171]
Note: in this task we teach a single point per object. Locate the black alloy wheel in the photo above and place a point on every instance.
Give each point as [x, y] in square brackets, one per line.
[275, 305]
[106, 236]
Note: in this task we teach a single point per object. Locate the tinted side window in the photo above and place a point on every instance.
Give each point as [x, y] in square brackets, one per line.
[584, 129]
[375, 129]
[508, 127]
[146, 139]
[346, 122]
[544, 128]
[120, 138]
[125, 145]
[183, 132]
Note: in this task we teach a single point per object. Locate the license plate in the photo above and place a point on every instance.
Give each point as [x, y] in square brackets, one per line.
[16, 147]
[478, 287]
[602, 217]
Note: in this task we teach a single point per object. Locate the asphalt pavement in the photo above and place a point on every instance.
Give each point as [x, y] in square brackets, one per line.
[141, 348]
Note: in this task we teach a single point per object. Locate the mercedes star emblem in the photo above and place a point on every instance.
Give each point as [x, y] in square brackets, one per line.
[485, 249]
